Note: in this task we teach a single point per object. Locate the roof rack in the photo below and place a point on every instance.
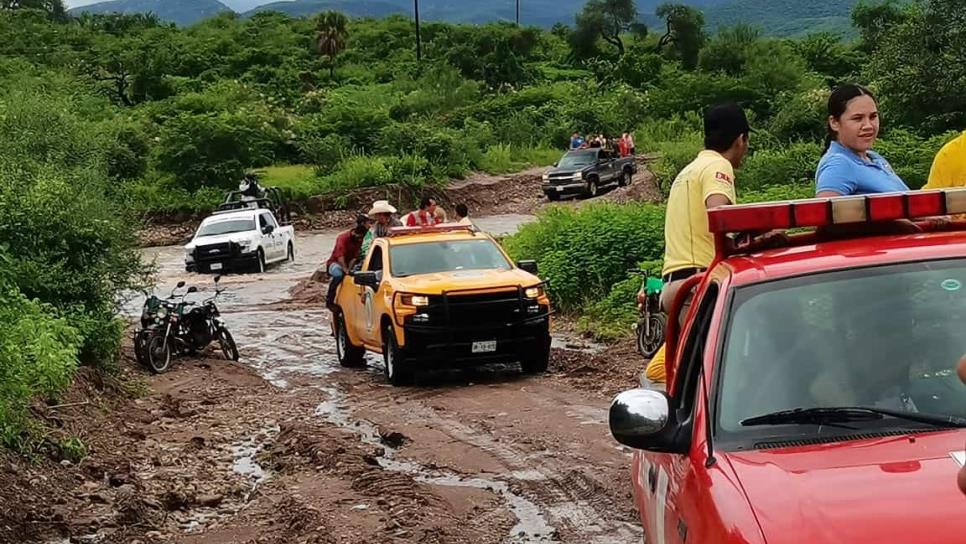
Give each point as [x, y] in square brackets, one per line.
[407, 231]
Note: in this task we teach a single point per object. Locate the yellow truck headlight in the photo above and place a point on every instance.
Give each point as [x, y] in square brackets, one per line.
[533, 292]
[414, 300]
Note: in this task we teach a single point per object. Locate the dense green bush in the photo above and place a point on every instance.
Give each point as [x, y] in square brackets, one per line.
[584, 252]
[911, 155]
[794, 164]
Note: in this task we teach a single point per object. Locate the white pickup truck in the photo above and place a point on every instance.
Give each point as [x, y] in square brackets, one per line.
[239, 239]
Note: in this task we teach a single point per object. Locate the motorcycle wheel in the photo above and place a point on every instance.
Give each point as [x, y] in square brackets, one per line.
[228, 346]
[649, 343]
[159, 354]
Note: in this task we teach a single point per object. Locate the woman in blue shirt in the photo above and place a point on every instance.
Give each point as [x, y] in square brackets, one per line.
[849, 166]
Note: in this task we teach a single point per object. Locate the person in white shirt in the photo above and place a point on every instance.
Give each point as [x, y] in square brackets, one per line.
[462, 215]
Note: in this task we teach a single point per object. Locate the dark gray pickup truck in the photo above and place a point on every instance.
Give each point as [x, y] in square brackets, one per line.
[586, 172]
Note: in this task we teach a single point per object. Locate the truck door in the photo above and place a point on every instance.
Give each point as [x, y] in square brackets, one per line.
[369, 305]
[675, 480]
[605, 165]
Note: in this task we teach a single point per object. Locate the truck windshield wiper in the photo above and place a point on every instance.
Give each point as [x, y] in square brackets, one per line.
[844, 414]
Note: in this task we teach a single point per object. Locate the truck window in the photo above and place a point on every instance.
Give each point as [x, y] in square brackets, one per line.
[884, 336]
[694, 349]
[270, 220]
[375, 260]
[262, 223]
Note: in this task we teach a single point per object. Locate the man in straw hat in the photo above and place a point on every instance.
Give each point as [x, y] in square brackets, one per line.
[384, 215]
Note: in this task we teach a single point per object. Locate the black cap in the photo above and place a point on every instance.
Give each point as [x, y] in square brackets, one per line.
[723, 123]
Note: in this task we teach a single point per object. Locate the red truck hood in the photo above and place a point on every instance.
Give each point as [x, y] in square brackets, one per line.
[895, 489]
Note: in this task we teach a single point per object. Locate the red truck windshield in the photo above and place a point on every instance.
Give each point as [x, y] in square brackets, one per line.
[885, 336]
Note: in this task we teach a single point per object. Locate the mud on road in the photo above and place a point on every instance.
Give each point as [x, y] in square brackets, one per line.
[287, 446]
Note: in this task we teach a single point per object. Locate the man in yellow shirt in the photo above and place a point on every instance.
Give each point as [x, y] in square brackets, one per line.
[707, 182]
[949, 166]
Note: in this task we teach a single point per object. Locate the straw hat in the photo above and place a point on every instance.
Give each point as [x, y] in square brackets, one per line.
[381, 206]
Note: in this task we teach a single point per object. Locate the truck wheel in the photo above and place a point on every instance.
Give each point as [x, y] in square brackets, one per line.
[624, 178]
[592, 187]
[553, 197]
[349, 356]
[397, 371]
[260, 261]
[291, 253]
[536, 358]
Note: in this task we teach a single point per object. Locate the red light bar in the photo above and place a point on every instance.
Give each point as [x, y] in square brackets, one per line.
[403, 231]
[819, 212]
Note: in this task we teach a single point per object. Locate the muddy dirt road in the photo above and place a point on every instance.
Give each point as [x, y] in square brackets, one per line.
[287, 446]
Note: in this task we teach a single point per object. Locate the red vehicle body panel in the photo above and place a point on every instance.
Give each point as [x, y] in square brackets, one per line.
[898, 489]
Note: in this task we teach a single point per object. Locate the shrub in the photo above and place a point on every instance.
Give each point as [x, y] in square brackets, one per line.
[911, 155]
[794, 164]
[584, 252]
[216, 148]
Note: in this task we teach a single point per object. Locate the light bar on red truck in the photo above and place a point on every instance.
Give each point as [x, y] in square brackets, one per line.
[822, 212]
[403, 231]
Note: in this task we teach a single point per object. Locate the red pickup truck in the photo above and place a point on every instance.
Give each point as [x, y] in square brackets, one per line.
[812, 394]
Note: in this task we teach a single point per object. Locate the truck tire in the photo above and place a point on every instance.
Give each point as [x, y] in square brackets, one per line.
[553, 197]
[397, 369]
[592, 187]
[625, 177]
[536, 358]
[349, 355]
[260, 261]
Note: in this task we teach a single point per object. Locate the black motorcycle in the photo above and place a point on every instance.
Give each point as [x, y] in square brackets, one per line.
[182, 327]
[149, 317]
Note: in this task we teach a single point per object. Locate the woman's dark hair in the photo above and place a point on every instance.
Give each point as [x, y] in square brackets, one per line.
[425, 202]
[838, 102]
[461, 210]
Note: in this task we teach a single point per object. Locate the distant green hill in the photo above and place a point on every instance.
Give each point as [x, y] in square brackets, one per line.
[784, 17]
[181, 12]
[775, 17]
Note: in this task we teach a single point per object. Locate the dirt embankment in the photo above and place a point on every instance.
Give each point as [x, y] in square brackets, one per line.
[484, 194]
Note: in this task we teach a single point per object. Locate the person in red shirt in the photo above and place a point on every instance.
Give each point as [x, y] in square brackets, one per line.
[625, 148]
[425, 216]
[344, 254]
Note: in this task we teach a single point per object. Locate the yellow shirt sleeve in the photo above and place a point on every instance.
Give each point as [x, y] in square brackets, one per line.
[718, 178]
[949, 166]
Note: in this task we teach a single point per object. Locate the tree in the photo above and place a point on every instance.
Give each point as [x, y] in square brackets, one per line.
[918, 67]
[330, 36]
[606, 19]
[55, 8]
[875, 20]
[684, 34]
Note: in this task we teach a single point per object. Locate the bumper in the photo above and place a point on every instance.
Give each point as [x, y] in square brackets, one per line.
[428, 346]
[242, 261]
[564, 188]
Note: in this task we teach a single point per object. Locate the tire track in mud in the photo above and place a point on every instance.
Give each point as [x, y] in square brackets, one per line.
[288, 348]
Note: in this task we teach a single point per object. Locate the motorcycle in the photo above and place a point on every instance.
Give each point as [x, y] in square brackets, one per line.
[149, 314]
[187, 328]
[652, 321]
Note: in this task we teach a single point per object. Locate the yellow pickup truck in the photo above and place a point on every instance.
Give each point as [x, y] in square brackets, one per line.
[442, 297]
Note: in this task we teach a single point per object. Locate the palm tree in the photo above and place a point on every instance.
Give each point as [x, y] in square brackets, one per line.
[330, 35]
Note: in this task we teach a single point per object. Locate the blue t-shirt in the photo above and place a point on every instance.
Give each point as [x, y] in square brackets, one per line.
[843, 171]
[576, 142]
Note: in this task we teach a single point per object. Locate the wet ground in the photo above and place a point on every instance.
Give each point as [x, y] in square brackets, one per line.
[287, 446]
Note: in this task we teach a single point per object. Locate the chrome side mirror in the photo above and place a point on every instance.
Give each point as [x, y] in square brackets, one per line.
[638, 414]
[643, 419]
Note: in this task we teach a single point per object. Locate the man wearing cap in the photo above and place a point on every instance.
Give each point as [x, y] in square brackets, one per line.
[382, 212]
[708, 181]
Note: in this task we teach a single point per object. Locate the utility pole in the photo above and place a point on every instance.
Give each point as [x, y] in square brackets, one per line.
[419, 45]
[518, 12]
